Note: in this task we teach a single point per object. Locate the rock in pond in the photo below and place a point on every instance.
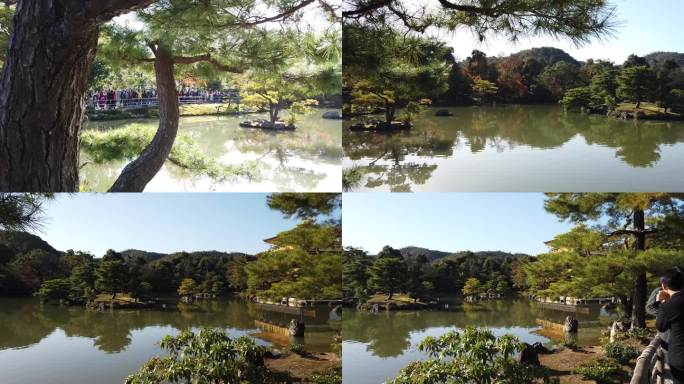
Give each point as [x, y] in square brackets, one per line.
[296, 328]
[332, 115]
[443, 113]
[528, 355]
[570, 325]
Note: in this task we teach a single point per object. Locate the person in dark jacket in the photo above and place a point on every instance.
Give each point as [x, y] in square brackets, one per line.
[652, 305]
[671, 318]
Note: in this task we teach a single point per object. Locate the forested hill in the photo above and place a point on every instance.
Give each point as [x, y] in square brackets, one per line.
[546, 55]
[132, 254]
[155, 257]
[448, 271]
[26, 261]
[660, 57]
[13, 243]
[412, 253]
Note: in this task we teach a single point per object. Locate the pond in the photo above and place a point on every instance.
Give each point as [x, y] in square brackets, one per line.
[307, 159]
[518, 148]
[375, 346]
[72, 345]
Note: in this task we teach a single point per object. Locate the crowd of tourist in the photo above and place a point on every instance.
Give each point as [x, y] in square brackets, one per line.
[124, 98]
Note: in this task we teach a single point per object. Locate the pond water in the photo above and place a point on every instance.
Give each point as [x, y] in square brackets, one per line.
[72, 345]
[307, 159]
[376, 346]
[518, 148]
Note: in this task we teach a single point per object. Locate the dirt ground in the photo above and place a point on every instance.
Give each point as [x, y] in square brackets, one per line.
[562, 363]
[302, 367]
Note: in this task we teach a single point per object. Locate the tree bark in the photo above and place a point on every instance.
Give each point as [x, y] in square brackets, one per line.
[52, 45]
[389, 112]
[640, 285]
[626, 303]
[41, 92]
[140, 171]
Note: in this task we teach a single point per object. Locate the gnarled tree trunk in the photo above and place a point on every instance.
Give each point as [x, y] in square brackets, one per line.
[41, 91]
[52, 44]
[140, 171]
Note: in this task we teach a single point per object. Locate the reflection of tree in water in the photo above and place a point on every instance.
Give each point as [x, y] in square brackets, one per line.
[27, 322]
[388, 152]
[316, 140]
[387, 334]
[502, 128]
[21, 324]
[637, 143]
[512, 126]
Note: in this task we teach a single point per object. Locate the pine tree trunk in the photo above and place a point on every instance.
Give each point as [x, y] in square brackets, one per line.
[640, 284]
[626, 303]
[389, 113]
[41, 97]
[51, 48]
[140, 171]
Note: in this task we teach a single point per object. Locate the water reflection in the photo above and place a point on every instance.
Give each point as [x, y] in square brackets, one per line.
[26, 322]
[307, 159]
[377, 346]
[491, 148]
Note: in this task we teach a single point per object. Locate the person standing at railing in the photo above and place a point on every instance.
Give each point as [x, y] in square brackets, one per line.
[671, 318]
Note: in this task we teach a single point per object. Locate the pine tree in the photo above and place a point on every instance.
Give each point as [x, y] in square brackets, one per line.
[635, 84]
[112, 276]
[632, 217]
[388, 272]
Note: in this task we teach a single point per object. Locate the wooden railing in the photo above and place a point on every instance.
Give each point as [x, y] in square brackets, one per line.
[650, 365]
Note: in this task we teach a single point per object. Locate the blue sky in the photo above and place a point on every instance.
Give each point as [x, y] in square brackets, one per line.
[163, 222]
[513, 222]
[645, 27]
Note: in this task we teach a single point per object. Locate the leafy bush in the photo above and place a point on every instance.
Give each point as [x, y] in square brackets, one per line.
[644, 335]
[604, 371]
[208, 356]
[415, 108]
[473, 355]
[329, 378]
[620, 351]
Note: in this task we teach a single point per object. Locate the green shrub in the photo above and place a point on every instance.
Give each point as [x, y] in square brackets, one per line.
[473, 355]
[206, 356]
[328, 378]
[621, 352]
[604, 371]
[642, 334]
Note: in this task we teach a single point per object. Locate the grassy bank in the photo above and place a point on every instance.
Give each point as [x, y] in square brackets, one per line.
[397, 302]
